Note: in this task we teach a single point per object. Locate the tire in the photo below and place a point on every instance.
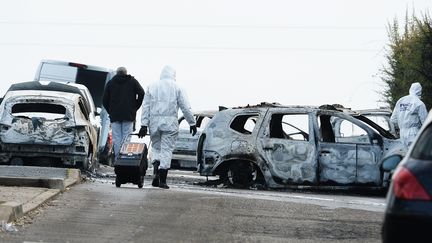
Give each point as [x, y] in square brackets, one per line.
[117, 182]
[241, 174]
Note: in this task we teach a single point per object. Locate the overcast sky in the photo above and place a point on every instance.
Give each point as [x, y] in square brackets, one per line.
[226, 52]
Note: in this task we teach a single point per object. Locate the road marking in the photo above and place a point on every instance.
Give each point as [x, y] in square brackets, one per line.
[328, 201]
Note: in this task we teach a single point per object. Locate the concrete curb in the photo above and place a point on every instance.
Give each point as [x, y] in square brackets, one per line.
[11, 210]
[39, 200]
[73, 177]
[53, 183]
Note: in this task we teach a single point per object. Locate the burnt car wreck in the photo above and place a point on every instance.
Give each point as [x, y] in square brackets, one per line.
[184, 154]
[45, 127]
[296, 146]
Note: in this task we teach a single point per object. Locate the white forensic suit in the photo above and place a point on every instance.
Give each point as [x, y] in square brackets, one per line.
[409, 114]
[160, 114]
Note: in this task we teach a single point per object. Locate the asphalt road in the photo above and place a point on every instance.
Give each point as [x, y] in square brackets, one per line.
[97, 211]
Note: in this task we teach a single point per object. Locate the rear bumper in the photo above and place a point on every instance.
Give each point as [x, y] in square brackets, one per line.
[406, 228]
[67, 154]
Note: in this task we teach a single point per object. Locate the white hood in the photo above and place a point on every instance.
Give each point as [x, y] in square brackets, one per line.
[168, 73]
[415, 89]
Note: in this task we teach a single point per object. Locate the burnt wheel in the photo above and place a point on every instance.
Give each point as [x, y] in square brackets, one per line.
[241, 174]
[117, 182]
[141, 182]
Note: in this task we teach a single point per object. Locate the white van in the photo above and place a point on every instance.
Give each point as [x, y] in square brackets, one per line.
[94, 78]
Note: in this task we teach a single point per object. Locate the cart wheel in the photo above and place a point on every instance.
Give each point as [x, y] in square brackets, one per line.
[117, 182]
[141, 182]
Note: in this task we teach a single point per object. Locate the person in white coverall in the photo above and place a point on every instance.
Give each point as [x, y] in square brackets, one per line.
[409, 114]
[160, 115]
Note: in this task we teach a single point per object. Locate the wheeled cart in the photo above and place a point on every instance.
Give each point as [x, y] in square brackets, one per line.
[131, 164]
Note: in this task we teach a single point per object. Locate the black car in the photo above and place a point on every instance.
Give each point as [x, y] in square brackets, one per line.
[408, 216]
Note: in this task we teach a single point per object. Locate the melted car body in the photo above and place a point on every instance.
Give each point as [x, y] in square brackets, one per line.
[288, 146]
[51, 127]
[184, 154]
[95, 79]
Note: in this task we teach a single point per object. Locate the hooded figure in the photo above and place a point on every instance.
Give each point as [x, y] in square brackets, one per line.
[409, 114]
[122, 98]
[160, 114]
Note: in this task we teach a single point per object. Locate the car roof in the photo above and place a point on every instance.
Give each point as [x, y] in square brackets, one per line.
[78, 65]
[45, 85]
[42, 94]
[375, 111]
[53, 86]
[331, 107]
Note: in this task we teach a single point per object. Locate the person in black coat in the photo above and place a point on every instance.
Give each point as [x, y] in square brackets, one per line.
[122, 98]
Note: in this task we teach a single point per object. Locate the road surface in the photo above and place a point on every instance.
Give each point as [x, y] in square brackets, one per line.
[97, 211]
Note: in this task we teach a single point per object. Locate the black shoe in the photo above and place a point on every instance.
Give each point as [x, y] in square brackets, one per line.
[162, 178]
[155, 181]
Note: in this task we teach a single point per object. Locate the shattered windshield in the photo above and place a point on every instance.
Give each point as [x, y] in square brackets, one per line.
[45, 110]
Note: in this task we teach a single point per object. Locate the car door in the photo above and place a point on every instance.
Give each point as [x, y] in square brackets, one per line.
[347, 154]
[288, 147]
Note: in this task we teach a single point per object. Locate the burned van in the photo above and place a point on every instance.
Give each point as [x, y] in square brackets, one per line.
[46, 127]
[296, 146]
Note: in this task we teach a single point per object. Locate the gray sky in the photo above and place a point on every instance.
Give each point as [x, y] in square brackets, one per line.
[226, 52]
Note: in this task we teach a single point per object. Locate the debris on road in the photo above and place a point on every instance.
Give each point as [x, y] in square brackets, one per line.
[8, 227]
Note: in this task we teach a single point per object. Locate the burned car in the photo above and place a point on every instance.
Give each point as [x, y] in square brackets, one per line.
[40, 125]
[293, 146]
[184, 154]
[95, 79]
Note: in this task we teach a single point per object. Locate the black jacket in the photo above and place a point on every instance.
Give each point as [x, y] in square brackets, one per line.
[122, 97]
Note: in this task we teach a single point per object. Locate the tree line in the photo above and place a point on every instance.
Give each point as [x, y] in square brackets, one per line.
[409, 59]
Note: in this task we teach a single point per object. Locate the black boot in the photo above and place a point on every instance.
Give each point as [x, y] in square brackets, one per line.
[155, 181]
[163, 176]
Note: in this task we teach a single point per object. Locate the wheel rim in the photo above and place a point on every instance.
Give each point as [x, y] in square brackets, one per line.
[242, 174]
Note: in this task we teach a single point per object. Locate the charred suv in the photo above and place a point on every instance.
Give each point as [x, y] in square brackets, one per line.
[293, 146]
[46, 127]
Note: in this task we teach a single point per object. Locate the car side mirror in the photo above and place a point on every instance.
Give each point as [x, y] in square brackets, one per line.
[390, 163]
[98, 111]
